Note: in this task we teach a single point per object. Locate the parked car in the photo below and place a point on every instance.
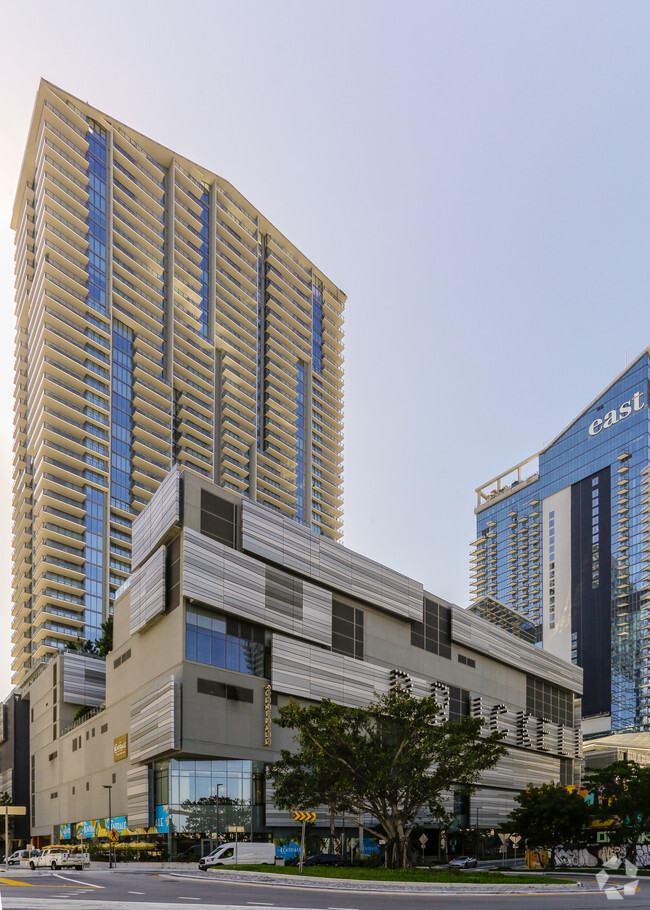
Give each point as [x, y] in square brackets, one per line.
[243, 854]
[59, 858]
[463, 862]
[194, 852]
[15, 858]
[325, 859]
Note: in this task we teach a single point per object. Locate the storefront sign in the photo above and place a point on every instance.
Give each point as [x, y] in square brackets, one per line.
[121, 747]
[520, 728]
[64, 832]
[267, 716]
[612, 417]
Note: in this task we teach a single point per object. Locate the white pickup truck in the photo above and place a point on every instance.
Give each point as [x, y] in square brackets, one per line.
[59, 858]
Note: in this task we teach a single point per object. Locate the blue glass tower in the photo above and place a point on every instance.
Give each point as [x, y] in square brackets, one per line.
[564, 538]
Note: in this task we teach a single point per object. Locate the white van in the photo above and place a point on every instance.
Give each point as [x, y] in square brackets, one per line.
[242, 854]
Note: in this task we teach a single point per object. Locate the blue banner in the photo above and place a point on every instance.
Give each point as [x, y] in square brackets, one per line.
[370, 846]
[88, 829]
[287, 851]
[64, 831]
[161, 819]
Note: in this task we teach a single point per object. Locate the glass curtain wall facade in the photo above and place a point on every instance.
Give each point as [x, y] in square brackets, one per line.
[564, 538]
[161, 319]
[205, 798]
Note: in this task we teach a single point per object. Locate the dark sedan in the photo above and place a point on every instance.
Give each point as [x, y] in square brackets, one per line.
[325, 859]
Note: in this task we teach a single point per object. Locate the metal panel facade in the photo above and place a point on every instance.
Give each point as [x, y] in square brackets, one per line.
[219, 576]
[148, 591]
[155, 721]
[160, 515]
[84, 679]
[473, 632]
[286, 543]
[138, 797]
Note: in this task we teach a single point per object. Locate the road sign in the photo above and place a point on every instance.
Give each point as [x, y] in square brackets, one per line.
[515, 838]
[304, 816]
[423, 839]
[114, 835]
[13, 810]
[503, 837]
[235, 829]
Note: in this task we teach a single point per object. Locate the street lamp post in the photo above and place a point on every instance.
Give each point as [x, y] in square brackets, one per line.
[109, 787]
[218, 786]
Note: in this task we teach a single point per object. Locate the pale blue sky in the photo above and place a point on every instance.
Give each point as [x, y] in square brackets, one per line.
[473, 174]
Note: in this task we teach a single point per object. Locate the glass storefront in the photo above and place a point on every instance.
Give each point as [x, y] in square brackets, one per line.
[205, 798]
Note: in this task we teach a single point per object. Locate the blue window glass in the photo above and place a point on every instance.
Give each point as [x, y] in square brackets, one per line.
[231, 644]
[121, 416]
[94, 562]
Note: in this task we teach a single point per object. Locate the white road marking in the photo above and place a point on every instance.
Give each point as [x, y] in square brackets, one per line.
[76, 881]
[181, 898]
[136, 892]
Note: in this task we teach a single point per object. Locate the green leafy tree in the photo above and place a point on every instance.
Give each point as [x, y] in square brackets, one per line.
[105, 641]
[622, 792]
[393, 760]
[201, 815]
[100, 646]
[548, 816]
[81, 712]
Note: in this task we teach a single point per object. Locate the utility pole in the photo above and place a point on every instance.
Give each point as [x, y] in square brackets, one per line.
[109, 787]
[7, 811]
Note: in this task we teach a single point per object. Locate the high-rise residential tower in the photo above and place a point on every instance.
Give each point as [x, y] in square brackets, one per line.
[564, 538]
[161, 320]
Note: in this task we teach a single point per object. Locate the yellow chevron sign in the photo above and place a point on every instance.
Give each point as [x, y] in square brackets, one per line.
[304, 816]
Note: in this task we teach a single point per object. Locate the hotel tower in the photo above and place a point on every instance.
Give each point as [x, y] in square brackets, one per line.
[564, 539]
[161, 320]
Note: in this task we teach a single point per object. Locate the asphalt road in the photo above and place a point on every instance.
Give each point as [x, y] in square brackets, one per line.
[95, 890]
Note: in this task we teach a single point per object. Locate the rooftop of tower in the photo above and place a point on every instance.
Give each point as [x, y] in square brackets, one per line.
[527, 471]
[160, 155]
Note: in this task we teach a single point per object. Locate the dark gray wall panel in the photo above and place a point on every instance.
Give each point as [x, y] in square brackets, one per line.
[157, 518]
[148, 591]
[84, 679]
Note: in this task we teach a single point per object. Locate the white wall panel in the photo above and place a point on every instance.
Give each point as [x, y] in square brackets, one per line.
[148, 591]
[155, 720]
[138, 797]
[157, 518]
[221, 577]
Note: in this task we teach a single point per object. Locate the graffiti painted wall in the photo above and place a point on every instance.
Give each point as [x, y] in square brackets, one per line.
[591, 856]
